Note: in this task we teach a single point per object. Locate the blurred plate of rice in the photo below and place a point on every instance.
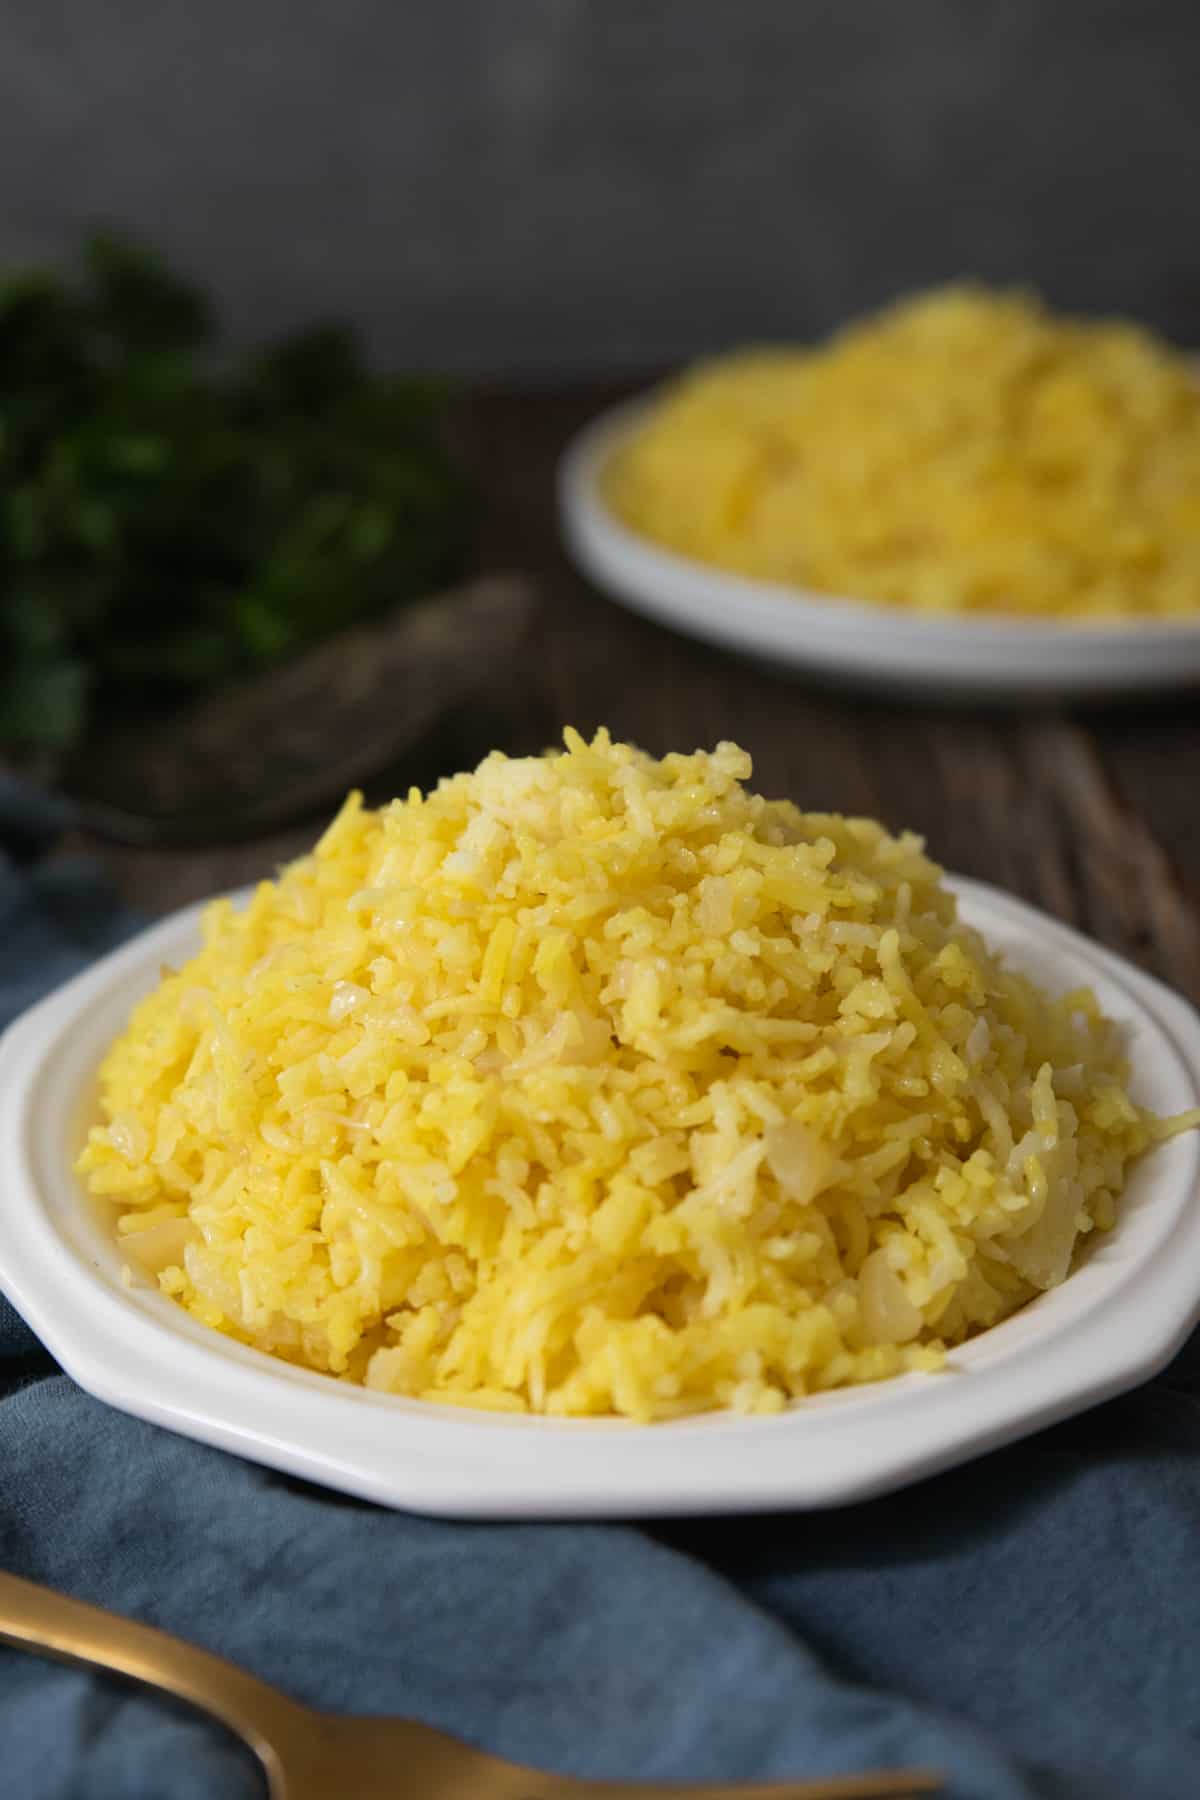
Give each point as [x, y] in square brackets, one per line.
[966, 496]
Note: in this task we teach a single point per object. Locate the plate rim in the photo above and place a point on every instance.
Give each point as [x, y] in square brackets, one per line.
[462, 1463]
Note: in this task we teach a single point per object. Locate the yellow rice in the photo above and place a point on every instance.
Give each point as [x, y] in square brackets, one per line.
[596, 1084]
[965, 451]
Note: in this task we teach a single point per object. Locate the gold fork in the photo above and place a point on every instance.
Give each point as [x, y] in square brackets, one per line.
[309, 1755]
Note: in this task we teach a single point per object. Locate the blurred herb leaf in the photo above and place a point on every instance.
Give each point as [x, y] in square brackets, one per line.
[170, 516]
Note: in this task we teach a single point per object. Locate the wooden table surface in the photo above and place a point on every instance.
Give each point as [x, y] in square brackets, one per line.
[1089, 813]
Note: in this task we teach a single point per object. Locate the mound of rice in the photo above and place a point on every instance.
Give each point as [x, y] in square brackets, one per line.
[965, 451]
[596, 1084]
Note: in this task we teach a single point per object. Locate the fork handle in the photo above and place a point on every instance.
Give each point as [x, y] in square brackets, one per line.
[40, 1619]
[899, 1784]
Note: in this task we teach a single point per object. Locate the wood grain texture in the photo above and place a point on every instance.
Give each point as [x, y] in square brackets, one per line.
[1091, 814]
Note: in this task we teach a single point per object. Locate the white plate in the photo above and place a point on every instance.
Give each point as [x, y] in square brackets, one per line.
[1112, 1324]
[996, 657]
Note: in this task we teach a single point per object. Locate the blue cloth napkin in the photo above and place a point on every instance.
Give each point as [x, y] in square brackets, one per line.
[1029, 1624]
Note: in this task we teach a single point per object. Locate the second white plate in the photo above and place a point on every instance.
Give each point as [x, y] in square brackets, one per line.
[1000, 657]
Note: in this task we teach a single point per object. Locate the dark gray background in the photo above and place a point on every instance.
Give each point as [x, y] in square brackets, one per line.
[548, 185]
